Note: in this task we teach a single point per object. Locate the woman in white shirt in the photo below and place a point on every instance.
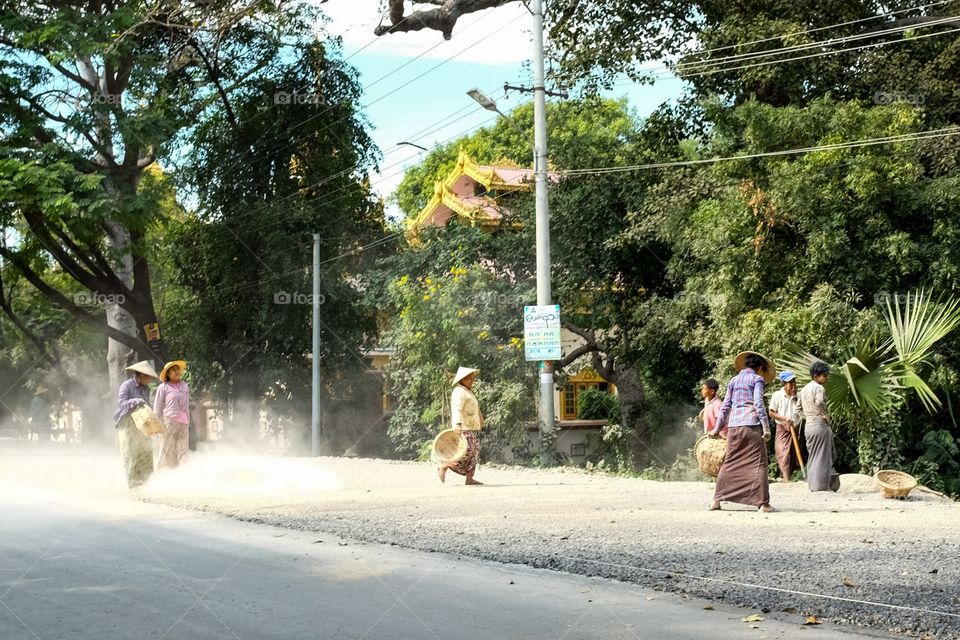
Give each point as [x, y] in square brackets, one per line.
[466, 418]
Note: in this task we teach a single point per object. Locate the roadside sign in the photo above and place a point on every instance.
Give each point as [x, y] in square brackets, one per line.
[541, 332]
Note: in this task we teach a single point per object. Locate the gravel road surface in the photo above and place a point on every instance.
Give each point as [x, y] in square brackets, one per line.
[852, 558]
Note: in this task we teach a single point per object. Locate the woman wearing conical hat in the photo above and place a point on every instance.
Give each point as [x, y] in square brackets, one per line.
[172, 406]
[135, 447]
[466, 418]
[743, 474]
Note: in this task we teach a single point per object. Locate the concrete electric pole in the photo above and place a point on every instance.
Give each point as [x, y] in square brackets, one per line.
[544, 292]
[546, 417]
[315, 408]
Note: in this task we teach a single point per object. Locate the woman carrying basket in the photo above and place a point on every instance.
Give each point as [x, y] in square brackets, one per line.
[135, 447]
[466, 418]
[743, 475]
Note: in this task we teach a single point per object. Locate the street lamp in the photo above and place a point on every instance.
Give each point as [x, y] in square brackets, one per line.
[487, 103]
[411, 144]
[483, 100]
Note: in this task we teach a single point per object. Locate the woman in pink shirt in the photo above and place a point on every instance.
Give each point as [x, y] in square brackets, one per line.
[172, 406]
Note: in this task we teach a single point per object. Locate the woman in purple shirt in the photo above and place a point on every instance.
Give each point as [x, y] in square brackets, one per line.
[172, 406]
[743, 474]
[135, 447]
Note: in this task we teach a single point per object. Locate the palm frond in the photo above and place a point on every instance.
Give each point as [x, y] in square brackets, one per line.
[915, 329]
[910, 379]
[917, 326]
[863, 384]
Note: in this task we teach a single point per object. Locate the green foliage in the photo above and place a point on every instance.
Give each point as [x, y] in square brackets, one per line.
[594, 404]
[242, 304]
[939, 466]
[463, 316]
[870, 388]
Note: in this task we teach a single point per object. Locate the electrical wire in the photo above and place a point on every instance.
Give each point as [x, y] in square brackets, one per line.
[866, 142]
[875, 45]
[706, 64]
[824, 28]
[666, 71]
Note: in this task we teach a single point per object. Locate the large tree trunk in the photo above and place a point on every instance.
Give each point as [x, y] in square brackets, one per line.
[119, 356]
[630, 392]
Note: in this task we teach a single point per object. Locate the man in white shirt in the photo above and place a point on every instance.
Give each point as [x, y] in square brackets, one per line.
[786, 411]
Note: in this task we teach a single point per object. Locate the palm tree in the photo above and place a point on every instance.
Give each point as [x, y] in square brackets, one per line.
[879, 374]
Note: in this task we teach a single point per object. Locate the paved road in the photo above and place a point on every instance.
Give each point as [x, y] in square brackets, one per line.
[114, 568]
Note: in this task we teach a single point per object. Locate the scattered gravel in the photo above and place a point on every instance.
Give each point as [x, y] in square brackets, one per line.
[854, 545]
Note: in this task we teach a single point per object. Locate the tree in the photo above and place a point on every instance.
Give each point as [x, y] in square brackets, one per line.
[266, 175]
[94, 94]
[596, 281]
[466, 316]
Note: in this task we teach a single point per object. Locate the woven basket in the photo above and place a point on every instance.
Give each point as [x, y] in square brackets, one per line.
[895, 484]
[710, 453]
[449, 446]
[146, 421]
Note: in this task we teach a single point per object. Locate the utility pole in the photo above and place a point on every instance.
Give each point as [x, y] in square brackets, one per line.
[544, 293]
[315, 409]
[546, 419]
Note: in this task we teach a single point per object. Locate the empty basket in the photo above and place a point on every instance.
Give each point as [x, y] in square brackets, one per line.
[449, 446]
[710, 453]
[895, 484]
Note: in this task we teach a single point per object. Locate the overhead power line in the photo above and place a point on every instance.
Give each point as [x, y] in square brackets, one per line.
[706, 64]
[824, 28]
[906, 137]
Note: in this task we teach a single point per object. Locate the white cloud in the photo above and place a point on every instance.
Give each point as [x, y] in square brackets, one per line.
[504, 34]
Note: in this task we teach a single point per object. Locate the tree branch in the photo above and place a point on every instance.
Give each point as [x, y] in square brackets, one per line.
[7, 308]
[61, 301]
[214, 76]
[91, 280]
[442, 19]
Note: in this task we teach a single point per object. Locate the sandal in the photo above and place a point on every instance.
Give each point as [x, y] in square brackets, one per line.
[765, 508]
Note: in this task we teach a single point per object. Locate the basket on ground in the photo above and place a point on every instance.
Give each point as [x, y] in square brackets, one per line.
[146, 421]
[449, 446]
[895, 484]
[709, 453]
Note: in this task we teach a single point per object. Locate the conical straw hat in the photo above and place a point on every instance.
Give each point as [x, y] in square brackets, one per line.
[462, 373]
[768, 375]
[143, 367]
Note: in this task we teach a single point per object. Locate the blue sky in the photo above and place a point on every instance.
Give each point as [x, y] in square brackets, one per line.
[426, 103]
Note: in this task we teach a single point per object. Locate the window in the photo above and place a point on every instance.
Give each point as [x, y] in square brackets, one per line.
[571, 394]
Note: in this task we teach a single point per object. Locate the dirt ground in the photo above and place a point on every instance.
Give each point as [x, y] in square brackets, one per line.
[852, 557]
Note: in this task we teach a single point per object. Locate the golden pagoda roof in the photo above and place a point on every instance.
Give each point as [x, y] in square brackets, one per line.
[505, 176]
